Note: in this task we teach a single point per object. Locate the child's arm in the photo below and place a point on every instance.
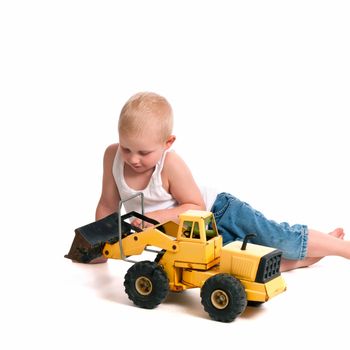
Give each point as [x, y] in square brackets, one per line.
[109, 200]
[179, 182]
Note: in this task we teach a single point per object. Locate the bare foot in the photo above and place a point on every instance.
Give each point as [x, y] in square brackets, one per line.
[287, 265]
[338, 233]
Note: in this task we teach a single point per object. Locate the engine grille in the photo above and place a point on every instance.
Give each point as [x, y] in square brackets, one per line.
[269, 267]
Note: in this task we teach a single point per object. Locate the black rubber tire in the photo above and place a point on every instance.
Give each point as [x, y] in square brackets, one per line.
[146, 284]
[255, 303]
[223, 297]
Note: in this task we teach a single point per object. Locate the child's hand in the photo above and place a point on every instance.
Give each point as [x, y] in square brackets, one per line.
[138, 223]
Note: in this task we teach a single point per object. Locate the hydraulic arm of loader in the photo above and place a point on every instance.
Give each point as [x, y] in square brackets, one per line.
[136, 243]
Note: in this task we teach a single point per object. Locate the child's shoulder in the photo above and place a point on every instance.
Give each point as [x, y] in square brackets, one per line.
[112, 149]
[110, 152]
[173, 161]
[171, 158]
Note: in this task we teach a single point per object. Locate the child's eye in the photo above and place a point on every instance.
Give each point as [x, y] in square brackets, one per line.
[125, 150]
[144, 153]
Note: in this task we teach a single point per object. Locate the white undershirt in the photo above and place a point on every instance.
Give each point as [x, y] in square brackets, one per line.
[155, 196]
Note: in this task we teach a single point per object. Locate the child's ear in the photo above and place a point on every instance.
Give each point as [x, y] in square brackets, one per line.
[170, 140]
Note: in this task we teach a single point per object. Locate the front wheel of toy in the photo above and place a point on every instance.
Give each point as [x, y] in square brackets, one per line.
[146, 284]
[223, 297]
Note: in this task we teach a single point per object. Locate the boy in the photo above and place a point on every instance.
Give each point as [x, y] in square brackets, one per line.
[143, 162]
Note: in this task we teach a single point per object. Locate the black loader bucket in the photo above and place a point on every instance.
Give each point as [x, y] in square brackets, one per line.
[90, 239]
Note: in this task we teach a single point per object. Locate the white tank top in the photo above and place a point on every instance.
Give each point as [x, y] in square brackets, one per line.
[155, 196]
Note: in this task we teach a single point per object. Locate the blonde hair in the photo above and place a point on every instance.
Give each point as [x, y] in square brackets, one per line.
[146, 110]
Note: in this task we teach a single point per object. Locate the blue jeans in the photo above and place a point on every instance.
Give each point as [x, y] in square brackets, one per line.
[235, 219]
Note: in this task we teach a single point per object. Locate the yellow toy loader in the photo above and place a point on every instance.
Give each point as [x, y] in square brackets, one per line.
[190, 255]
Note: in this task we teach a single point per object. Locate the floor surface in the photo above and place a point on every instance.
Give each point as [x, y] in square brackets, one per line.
[59, 304]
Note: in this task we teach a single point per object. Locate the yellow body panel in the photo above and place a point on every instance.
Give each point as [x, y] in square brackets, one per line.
[196, 266]
[197, 252]
[199, 256]
[170, 228]
[264, 291]
[242, 263]
[196, 279]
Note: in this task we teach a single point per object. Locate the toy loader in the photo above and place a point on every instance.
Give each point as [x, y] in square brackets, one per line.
[190, 255]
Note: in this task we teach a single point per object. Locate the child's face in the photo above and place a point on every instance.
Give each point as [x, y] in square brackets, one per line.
[141, 153]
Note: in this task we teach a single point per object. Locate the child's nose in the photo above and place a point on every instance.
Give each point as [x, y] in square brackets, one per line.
[134, 159]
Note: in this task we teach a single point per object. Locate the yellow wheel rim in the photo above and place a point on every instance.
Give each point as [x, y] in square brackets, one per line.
[219, 299]
[143, 285]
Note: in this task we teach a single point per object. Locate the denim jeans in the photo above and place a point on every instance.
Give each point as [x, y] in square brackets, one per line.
[235, 219]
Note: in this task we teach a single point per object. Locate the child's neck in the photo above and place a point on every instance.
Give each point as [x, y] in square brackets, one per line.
[137, 181]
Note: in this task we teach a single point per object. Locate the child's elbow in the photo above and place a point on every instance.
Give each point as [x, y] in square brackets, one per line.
[201, 206]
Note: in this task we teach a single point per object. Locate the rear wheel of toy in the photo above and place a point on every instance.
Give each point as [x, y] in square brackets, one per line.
[146, 284]
[223, 297]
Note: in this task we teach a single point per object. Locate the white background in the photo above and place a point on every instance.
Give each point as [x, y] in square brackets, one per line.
[260, 91]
